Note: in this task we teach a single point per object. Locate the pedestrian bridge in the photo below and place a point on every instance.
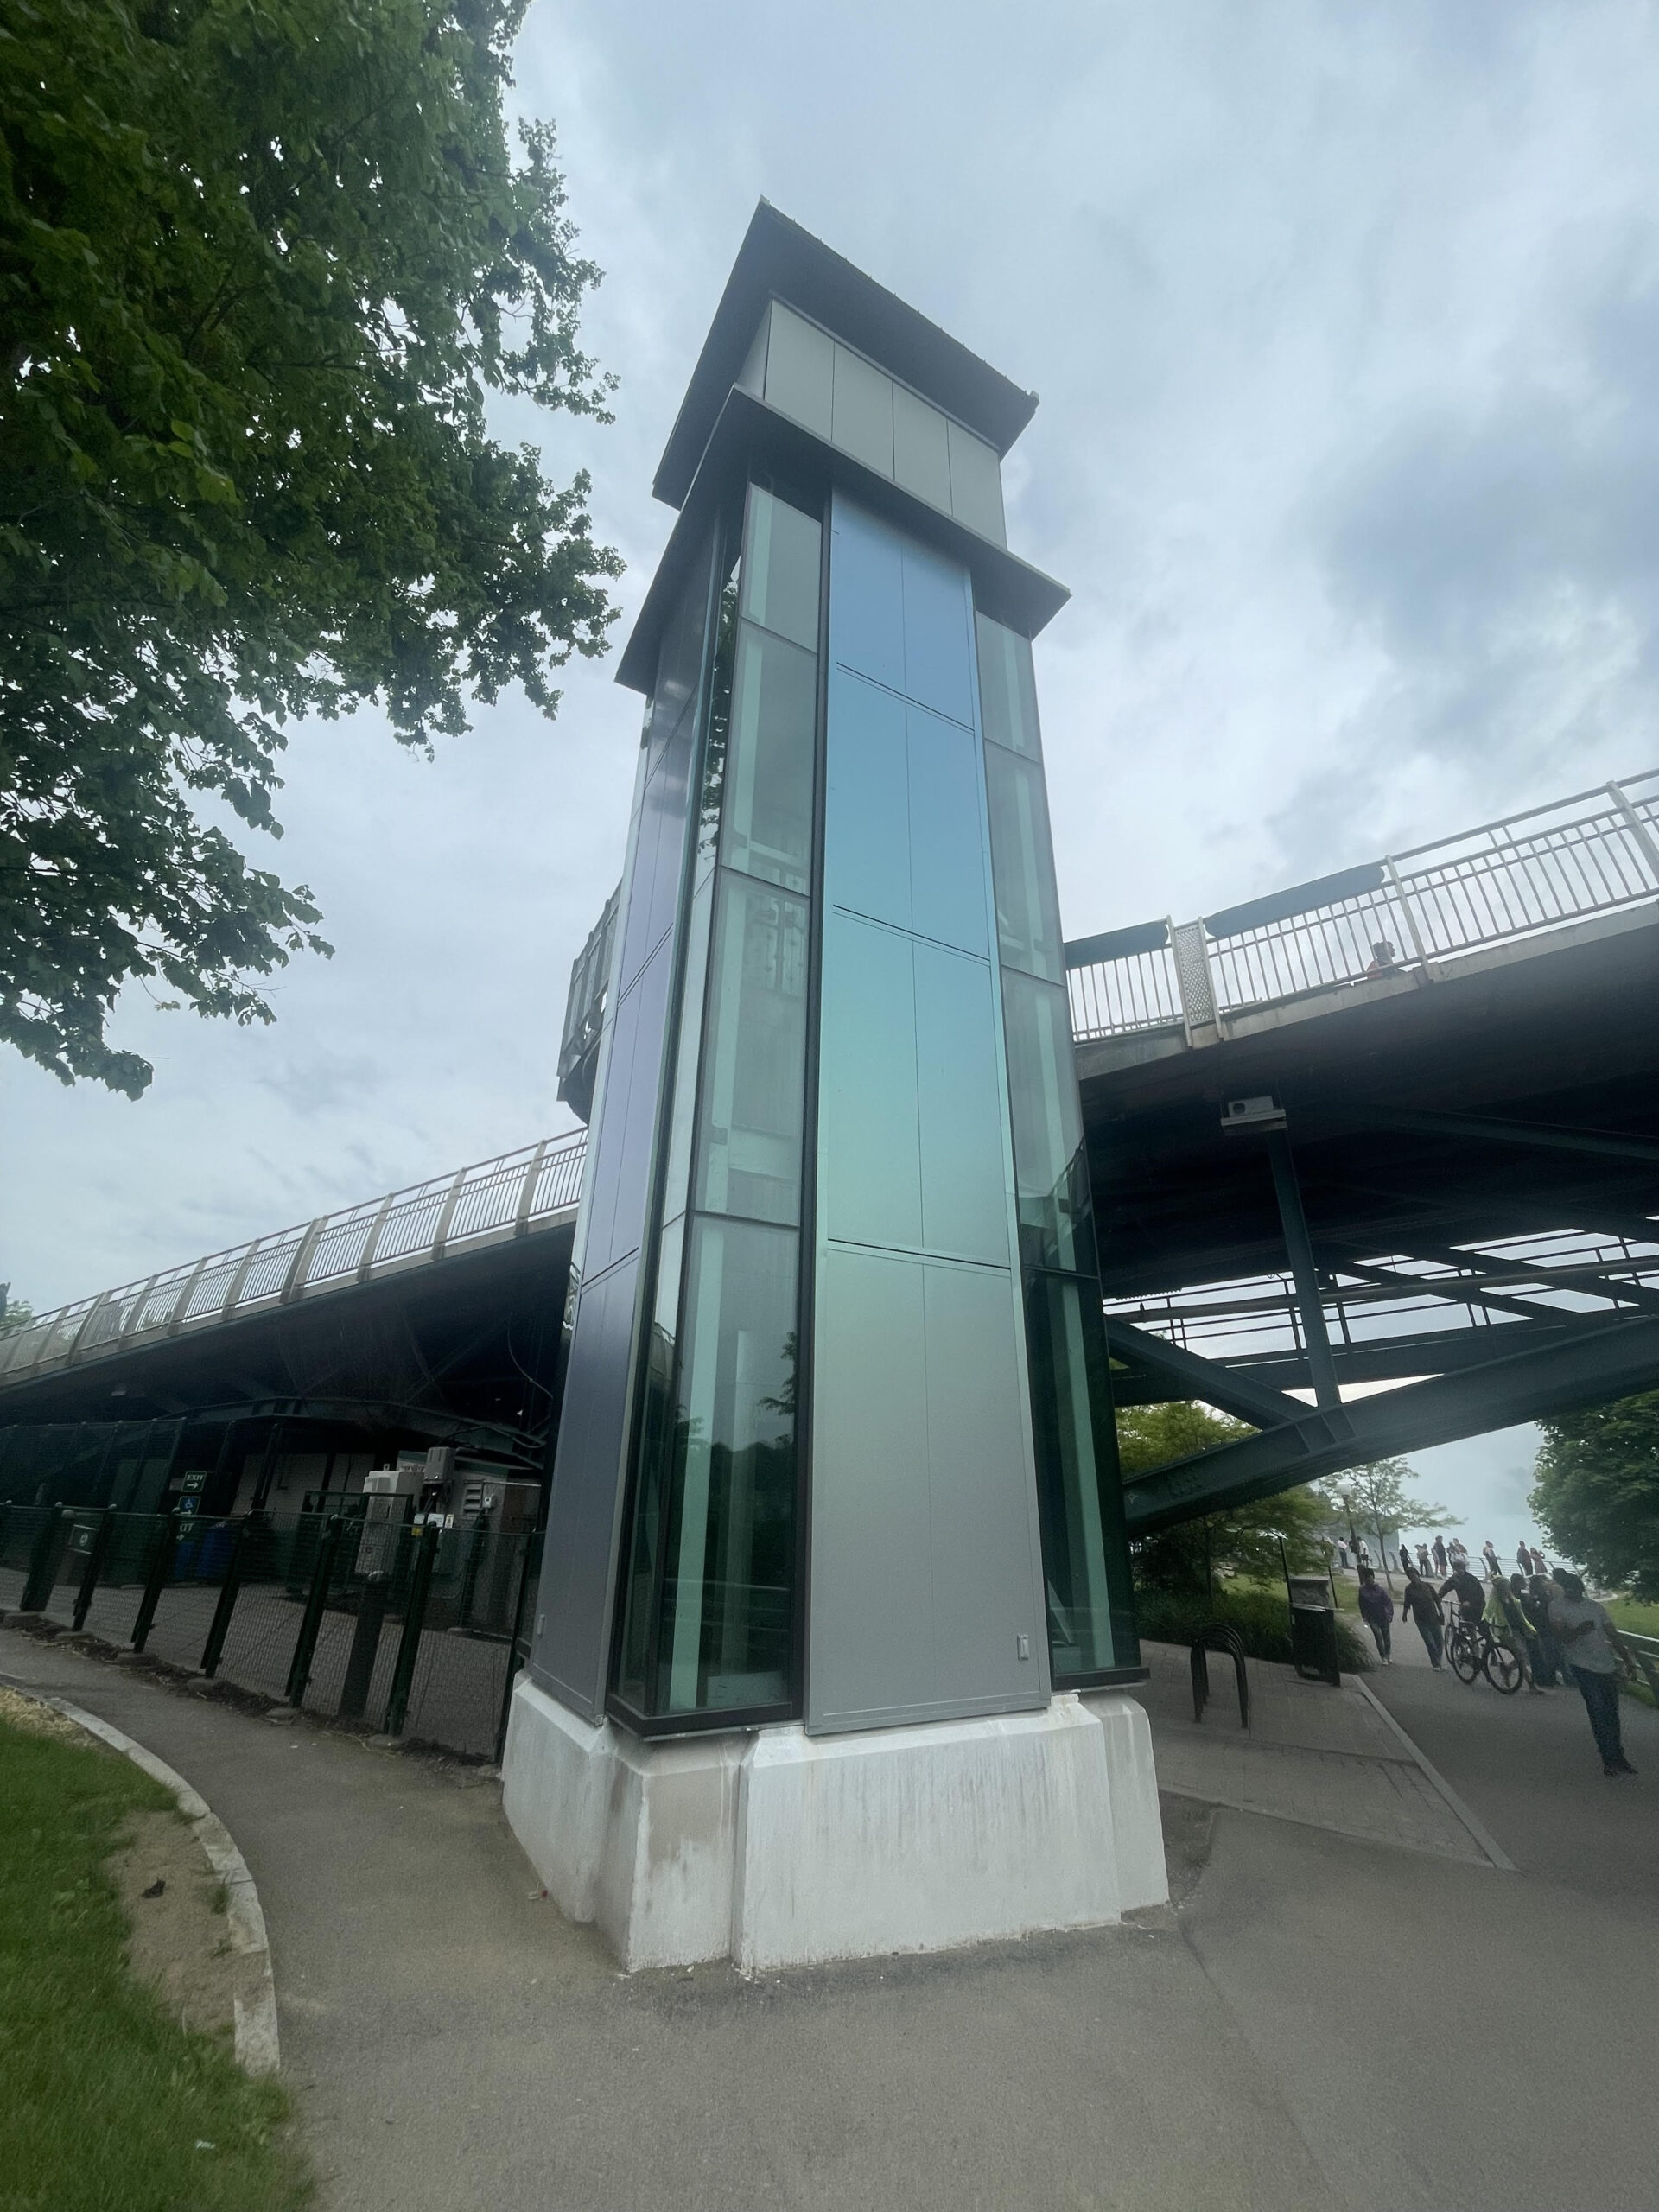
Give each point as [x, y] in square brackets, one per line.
[1374, 1161]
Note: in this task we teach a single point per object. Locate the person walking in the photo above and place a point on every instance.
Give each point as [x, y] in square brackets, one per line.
[1524, 1558]
[1422, 1560]
[1595, 1651]
[1541, 1593]
[1439, 1555]
[1377, 1608]
[1489, 1553]
[1420, 1603]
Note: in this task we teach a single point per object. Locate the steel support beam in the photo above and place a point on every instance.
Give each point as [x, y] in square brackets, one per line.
[1259, 1403]
[1593, 1282]
[1608, 1361]
[1540, 1135]
[1310, 1299]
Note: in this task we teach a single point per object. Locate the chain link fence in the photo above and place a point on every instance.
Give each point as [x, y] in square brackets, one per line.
[412, 1629]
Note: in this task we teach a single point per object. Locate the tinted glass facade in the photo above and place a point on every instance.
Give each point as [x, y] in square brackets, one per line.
[1090, 1618]
[709, 1616]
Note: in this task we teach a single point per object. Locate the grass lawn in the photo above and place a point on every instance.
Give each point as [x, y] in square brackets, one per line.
[1631, 1613]
[106, 2106]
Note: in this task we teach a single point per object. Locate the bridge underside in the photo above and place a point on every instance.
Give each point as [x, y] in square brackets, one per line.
[1457, 1206]
[462, 1351]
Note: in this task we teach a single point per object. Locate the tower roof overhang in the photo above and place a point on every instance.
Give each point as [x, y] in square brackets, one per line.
[747, 433]
[779, 259]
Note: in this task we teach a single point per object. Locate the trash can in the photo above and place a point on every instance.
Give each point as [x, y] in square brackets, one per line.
[1314, 1630]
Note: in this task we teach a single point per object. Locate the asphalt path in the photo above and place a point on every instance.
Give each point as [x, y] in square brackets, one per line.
[1323, 2023]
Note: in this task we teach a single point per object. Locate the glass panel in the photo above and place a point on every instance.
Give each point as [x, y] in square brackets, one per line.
[679, 657]
[866, 801]
[1051, 1168]
[780, 568]
[800, 369]
[724, 1640]
[656, 1465]
[689, 1056]
[750, 1142]
[869, 1139]
[1008, 688]
[715, 752]
[1022, 865]
[920, 461]
[947, 833]
[861, 419]
[939, 639]
[768, 808]
[976, 484]
[1077, 1480]
[964, 1187]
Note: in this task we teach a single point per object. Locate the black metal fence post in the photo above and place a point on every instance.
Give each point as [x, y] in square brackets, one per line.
[213, 1651]
[300, 1673]
[409, 1649]
[161, 1565]
[97, 1553]
[365, 1648]
[475, 1545]
[514, 1660]
[49, 1540]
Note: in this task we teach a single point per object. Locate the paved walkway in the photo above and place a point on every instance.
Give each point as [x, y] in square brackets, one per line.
[1328, 2024]
[1329, 1758]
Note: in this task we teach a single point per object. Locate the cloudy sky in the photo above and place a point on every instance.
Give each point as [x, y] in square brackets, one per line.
[1345, 322]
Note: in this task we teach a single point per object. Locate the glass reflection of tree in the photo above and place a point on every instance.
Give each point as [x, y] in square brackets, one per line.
[720, 719]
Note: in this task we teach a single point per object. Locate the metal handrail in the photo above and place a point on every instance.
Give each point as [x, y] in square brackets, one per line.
[1592, 853]
[1257, 1316]
[496, 1200]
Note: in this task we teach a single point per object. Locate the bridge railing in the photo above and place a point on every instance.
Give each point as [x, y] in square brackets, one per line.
[1590, 853]
[498, 1198]
[1551, 1272]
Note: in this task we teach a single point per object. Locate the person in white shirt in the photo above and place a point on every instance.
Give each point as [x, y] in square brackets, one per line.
[1595, 1651]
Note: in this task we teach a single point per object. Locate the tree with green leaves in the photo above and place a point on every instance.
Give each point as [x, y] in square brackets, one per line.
[1597, 1491]
[263, 264]
[1375, 1496]
[1257, 1541]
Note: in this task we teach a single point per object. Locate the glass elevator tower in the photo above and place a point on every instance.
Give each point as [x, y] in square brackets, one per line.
[836, 1440]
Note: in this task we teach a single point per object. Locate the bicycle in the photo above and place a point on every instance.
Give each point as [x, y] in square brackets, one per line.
[1474, 1651]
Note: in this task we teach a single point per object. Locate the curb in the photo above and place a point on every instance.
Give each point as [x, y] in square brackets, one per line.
[257, 2049]
[1477, 1828]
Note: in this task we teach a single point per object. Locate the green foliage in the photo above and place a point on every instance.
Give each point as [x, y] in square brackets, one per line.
[261, 263]
[17, 1314]
[1597, 1491]
[1373, 1497]
[1243, 1537]
[105, 2099]
[1262, 1617]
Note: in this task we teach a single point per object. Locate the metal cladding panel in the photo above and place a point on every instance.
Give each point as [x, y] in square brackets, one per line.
[926, 1599]
[569, 1646]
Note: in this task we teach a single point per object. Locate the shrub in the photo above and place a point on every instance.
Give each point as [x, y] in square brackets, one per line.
[1261, 1618]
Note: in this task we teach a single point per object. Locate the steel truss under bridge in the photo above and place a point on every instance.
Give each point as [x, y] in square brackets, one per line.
[1388, 1141]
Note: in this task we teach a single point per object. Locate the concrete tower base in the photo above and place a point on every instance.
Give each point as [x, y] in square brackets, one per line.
[776, 1848]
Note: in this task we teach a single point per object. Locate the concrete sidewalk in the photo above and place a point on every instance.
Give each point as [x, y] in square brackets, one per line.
[1326, 1757]
[453, 2042]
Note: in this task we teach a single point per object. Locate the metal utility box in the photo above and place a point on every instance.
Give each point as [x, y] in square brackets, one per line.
[389, 1500]
[1314, 1629]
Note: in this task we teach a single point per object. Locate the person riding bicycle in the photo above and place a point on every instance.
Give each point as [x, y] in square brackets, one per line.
[1465, 1588]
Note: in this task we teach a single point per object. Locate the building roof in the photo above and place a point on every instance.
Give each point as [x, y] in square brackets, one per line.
[779, 257]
